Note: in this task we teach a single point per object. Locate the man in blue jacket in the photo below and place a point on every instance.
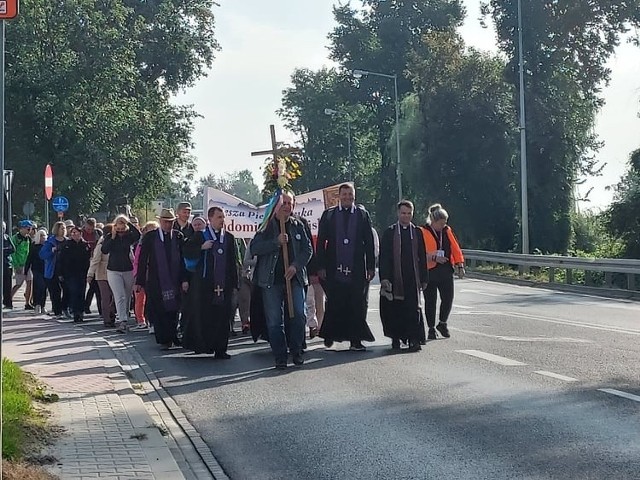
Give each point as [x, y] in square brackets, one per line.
[271, 276]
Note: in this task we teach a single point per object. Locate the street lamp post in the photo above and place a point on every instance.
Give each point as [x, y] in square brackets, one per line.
[364, 73]
[331, 112]
[523, 141]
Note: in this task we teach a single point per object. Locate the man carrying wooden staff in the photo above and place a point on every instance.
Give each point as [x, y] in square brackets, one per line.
[273, 246]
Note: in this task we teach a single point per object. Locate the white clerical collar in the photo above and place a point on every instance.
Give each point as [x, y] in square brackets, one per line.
[352, 209]
[215, 236]
[162, 234]
[404, 227]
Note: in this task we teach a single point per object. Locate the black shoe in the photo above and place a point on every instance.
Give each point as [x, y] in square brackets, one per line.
[328, 343]
[432, 334]
[28, 307]
[357, 347]
[313, 333]
[87, 311]
[395, 344]
[442, 328]
[245, 330]
[233, 333]
[221, 356]
[281, 365]
[298, 359]
[414, 347]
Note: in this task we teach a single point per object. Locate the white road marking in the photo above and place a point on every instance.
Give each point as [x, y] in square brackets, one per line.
[620, 393]
[478, 292]
[507, 338]
[556, 375]
[492, 358]
[560, 322]
[462, 306]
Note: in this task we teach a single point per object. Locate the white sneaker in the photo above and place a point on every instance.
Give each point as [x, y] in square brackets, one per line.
[38, 310]
[152, 330]
[140, 326]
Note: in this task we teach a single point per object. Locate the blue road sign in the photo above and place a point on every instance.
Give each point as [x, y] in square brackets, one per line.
[60, 204]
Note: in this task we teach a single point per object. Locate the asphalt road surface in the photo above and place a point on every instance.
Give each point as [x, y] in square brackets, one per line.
[532, 384]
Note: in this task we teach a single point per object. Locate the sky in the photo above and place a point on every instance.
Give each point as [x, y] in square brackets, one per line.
[264, 41]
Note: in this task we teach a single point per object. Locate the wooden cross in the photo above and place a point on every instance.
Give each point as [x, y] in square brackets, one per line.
[285, 252]
[218, 291]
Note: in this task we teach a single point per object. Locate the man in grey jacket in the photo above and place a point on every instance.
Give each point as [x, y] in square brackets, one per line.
[271, 276]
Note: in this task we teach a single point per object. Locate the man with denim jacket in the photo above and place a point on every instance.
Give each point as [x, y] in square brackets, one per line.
[270, 277]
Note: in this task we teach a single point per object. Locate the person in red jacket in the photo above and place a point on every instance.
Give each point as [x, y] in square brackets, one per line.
[443, 256]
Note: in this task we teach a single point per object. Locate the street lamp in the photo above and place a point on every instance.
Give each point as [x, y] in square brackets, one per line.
[333, 113]
[523, 141]
[363, 73]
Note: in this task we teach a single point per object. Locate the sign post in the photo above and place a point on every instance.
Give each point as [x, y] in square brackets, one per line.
[60, 205]
[48, 192]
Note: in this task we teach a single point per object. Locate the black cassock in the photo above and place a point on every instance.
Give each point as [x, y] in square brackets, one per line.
[403, 319]
[206, 323]
[165, 322]
[345, 317]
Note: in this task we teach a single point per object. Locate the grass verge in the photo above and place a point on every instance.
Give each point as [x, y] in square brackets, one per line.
[24, 424]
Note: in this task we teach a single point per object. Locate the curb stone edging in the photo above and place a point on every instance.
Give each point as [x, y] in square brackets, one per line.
[201, 462]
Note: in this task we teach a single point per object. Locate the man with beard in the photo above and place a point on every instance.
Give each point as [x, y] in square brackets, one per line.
[209, 306]
[271, 276]
[403, 274]
[161, 275]
[346, 264]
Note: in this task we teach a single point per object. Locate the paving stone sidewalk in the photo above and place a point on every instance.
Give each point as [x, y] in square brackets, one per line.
[109, 432]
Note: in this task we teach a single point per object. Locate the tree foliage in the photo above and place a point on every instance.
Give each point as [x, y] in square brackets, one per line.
[239, 183]
[565, 48]
[624, 213]
[88, 90]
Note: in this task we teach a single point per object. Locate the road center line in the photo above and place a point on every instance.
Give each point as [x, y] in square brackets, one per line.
[620, 393]
[556, 376]
[492, 358]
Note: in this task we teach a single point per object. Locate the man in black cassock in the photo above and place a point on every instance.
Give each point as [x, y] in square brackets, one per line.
[209, 303]
[403, 274]
[162, 275]
[346, 265]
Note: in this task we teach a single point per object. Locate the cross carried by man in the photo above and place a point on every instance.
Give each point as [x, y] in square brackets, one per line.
[277, 153]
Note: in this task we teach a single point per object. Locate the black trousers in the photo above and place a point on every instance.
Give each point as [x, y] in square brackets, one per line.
[55, 293]
[7, 279]
[93, 289]
[443, 284]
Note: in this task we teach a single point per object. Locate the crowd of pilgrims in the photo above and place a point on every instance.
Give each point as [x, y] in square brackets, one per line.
[185, 278]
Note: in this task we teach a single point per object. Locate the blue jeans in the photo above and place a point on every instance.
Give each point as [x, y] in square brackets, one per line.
[276, 314]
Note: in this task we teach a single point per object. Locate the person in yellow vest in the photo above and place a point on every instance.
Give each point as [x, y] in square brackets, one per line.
[443, 256]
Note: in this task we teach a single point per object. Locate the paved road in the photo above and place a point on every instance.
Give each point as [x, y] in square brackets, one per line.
[532, 384]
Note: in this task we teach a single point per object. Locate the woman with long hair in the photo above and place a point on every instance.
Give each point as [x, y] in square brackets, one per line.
[118, 245]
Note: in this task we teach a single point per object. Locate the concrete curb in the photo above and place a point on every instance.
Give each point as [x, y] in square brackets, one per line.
[190, 449]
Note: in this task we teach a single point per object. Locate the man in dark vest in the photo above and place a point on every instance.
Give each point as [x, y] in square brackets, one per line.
[346, 265]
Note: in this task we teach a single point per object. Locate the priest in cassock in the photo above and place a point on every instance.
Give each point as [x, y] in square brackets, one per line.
[403, 274]
[209, 299]
[161, 275]
[346, 265]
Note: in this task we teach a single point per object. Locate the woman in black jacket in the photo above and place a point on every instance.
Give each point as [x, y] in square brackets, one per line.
[120, 266]
[74, 258]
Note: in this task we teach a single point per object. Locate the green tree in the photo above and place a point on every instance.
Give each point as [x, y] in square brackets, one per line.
[239, 183]
[623, 217]
[459, 141]
[380, 37]
[566, 46]
[81, 97]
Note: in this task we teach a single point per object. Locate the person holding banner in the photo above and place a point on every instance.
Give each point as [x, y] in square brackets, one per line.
[212, 284]
[346, 262]
[272, 276]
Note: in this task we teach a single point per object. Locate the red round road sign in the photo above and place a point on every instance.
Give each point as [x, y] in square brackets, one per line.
[48, 182]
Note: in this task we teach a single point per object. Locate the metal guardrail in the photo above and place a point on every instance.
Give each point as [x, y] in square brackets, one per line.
[609, 266]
